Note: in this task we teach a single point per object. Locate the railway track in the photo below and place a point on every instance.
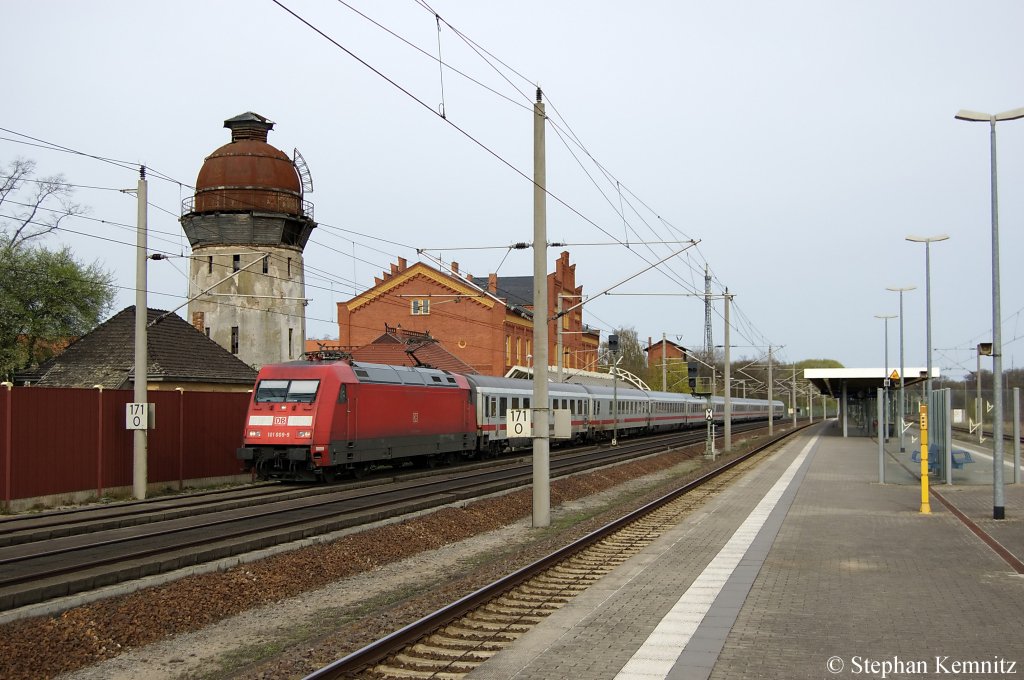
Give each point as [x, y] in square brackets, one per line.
[451, 642]
[58, 554]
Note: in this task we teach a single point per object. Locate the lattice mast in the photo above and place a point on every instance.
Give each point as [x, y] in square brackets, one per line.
[709, 345]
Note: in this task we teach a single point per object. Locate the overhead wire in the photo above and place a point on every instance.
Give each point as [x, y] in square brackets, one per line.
[458, 128]
[576, 140]
[476, 47]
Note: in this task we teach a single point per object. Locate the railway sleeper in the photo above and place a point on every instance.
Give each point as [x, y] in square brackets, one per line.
[535, 597]
[514, 618]
[525, 611]
[493, 625]
[537, 600]
[421, 663]
[463, 651]
[565, 584]
[481, 633]
[396, 672]
[489, 644]
[595, 560]
[569, 571]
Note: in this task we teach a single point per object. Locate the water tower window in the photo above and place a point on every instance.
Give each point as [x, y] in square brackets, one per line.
[234, 339]
[266, 264]
[236, 260]
[289, 266]
[290, 342]
[209, 264]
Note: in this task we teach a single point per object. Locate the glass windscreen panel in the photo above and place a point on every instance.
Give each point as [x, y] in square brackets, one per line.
[290, 391]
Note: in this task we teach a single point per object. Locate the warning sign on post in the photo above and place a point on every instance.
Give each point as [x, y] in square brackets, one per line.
[518, 424]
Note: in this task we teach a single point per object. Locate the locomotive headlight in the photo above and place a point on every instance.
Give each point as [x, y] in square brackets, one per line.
[305, 434]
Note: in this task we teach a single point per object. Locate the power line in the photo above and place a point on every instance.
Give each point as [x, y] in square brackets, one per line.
[42, 143]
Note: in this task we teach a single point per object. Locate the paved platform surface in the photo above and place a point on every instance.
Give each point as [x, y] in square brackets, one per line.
[806, 568]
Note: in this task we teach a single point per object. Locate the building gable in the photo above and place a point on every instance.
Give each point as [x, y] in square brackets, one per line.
[423, 272]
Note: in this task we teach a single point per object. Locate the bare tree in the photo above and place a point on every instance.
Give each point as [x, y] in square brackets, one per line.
[29, 207]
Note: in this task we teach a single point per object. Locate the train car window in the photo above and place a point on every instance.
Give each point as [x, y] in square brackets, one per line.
[361, 373]
[342, 395]
[268, 391]
[451, 380]
[436, 378]
[303, 391]
[515, 402]
[572, 406]
[526, 402]
[293, 391]
[494, 407]
[503, 407]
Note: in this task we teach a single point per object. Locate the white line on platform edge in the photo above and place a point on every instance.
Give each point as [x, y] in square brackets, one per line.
[659, 653]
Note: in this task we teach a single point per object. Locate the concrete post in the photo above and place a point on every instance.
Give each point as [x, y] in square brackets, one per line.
[140, 452]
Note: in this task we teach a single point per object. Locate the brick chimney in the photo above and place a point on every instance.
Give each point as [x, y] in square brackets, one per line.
[492, 283]
[455, 268]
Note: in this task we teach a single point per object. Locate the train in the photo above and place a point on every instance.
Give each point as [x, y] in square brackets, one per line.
[323, 419]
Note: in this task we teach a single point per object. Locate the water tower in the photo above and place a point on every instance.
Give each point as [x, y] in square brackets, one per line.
[248, 224]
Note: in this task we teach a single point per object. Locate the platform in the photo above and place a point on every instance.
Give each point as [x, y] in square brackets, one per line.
[805, 568]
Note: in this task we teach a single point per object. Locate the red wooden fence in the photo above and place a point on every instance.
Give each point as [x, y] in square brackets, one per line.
[64, 440]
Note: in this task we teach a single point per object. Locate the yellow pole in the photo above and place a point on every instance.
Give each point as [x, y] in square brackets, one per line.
[926, 509]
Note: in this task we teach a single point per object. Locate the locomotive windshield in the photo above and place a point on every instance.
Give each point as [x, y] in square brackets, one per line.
[300, 391]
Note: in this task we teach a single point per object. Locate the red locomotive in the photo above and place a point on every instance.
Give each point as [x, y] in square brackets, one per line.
[315, 419]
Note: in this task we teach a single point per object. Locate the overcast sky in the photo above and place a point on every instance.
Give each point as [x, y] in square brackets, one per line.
[798, 141]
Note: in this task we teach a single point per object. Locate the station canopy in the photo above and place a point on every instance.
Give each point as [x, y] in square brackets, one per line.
[863, 383]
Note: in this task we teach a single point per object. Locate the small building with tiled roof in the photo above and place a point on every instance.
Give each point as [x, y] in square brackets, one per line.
[660, 350]
[398, 347]
[178, 356]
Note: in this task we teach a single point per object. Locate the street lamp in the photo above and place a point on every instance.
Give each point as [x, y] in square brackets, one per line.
[927, 241]
[885, 380]
[903, 377]
[998, 505]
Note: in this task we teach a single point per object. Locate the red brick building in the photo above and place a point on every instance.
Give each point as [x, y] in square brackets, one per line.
[487, 323]
[655, 348]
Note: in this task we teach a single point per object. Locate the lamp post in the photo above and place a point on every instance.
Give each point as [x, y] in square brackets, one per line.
[998, 505]
[927, 241]
[885, 380]
[903, 378]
